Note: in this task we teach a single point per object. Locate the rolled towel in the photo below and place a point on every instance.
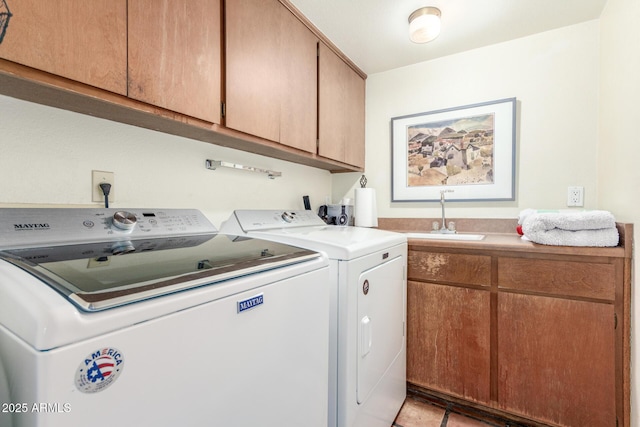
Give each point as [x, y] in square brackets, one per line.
[584, 228]
[524, 214]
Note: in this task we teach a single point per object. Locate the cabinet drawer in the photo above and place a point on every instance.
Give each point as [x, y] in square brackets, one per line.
[450, 268]
[568, 278]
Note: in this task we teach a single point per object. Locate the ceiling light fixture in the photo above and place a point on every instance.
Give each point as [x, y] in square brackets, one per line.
[424, 24]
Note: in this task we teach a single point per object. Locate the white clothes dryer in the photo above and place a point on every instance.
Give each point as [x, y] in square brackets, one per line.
[367, 360]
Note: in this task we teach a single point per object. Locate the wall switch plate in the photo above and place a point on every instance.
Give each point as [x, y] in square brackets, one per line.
[575, 196]
[97, 178]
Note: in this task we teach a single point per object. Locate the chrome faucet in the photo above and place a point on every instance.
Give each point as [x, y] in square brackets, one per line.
[443, 229]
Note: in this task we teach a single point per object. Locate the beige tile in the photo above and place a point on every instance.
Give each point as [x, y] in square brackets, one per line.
[419, 414]
[457, 420]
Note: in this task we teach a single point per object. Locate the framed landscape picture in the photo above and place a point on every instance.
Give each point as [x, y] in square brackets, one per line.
[469, 151]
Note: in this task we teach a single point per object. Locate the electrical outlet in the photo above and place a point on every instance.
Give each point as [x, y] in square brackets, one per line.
[97, 178]
[575, 196]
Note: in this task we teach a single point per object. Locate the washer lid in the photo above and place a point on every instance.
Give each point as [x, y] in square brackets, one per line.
[98, 276]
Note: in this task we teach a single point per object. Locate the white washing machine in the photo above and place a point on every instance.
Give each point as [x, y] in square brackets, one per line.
[367, 364]
[151, 318]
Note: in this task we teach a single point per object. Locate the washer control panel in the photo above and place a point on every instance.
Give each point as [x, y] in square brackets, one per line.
[24, 227]
[255, 220]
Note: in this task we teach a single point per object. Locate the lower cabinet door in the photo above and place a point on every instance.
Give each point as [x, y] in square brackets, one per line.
[556, 360]
[448, 340]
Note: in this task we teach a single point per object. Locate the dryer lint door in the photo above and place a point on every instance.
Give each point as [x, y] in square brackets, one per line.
[381, 327]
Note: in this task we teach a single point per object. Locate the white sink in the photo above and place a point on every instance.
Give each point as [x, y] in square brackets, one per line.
[438, 236]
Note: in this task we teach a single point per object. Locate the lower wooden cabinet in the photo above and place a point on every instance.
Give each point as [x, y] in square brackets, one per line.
[536, 334]
[556, 359]
[455, 358]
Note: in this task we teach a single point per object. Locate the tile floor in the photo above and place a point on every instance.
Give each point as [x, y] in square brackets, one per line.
[418, 412]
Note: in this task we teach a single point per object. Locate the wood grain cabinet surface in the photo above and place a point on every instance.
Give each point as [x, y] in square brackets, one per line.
[174, 55]
[538, 335]
[162, 65]
[285, 85]
[271, 73]
[341, 110]
[448, 339]
[85, 41]
[556, 359]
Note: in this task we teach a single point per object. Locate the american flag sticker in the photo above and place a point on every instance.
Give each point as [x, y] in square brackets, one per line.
[99, 370]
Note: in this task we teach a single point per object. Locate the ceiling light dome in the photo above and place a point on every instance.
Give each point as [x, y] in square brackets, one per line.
[424, 24]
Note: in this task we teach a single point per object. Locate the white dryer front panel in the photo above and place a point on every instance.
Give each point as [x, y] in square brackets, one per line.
[381, 323]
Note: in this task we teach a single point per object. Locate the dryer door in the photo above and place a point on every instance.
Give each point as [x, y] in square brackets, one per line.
[381, 323]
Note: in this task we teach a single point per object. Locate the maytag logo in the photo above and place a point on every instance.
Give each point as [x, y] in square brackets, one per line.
[250, 303]
[22, 227]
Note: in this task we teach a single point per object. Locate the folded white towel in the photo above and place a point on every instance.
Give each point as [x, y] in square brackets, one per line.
[605, 237]
[583, 228]
[581, 220]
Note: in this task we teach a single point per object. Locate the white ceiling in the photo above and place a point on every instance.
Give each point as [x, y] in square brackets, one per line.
[374, 33]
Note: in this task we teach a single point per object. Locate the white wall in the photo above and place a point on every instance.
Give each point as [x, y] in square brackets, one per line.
[47, 155]
[553, 75]
[618, 171]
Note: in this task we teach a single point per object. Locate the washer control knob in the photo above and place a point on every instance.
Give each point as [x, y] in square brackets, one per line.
[287, 216]
[122, 248]
[124, 220]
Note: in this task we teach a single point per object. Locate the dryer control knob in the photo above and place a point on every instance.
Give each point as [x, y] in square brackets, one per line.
[124, 220]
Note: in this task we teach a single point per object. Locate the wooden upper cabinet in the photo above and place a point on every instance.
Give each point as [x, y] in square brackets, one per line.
[81, 40]
[162, 65]
[341, 111]
[175, 55]
[299, 107]
[252, 69]
[271, 73]
[355, 144]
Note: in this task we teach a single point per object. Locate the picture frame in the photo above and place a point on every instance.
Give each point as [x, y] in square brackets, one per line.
[467, 151]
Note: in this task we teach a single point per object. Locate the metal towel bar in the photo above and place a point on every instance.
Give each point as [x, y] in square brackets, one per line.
[214, 164]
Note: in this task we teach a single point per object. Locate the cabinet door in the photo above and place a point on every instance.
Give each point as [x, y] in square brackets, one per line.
[174, 55]
[448, 340]
[252, 78]
[354, 142]
[556, 360]
[81, 40]
[271, 77]
[299, 105]
[341, 110]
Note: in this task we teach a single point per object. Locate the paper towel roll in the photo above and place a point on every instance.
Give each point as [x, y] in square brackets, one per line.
[365, 208]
